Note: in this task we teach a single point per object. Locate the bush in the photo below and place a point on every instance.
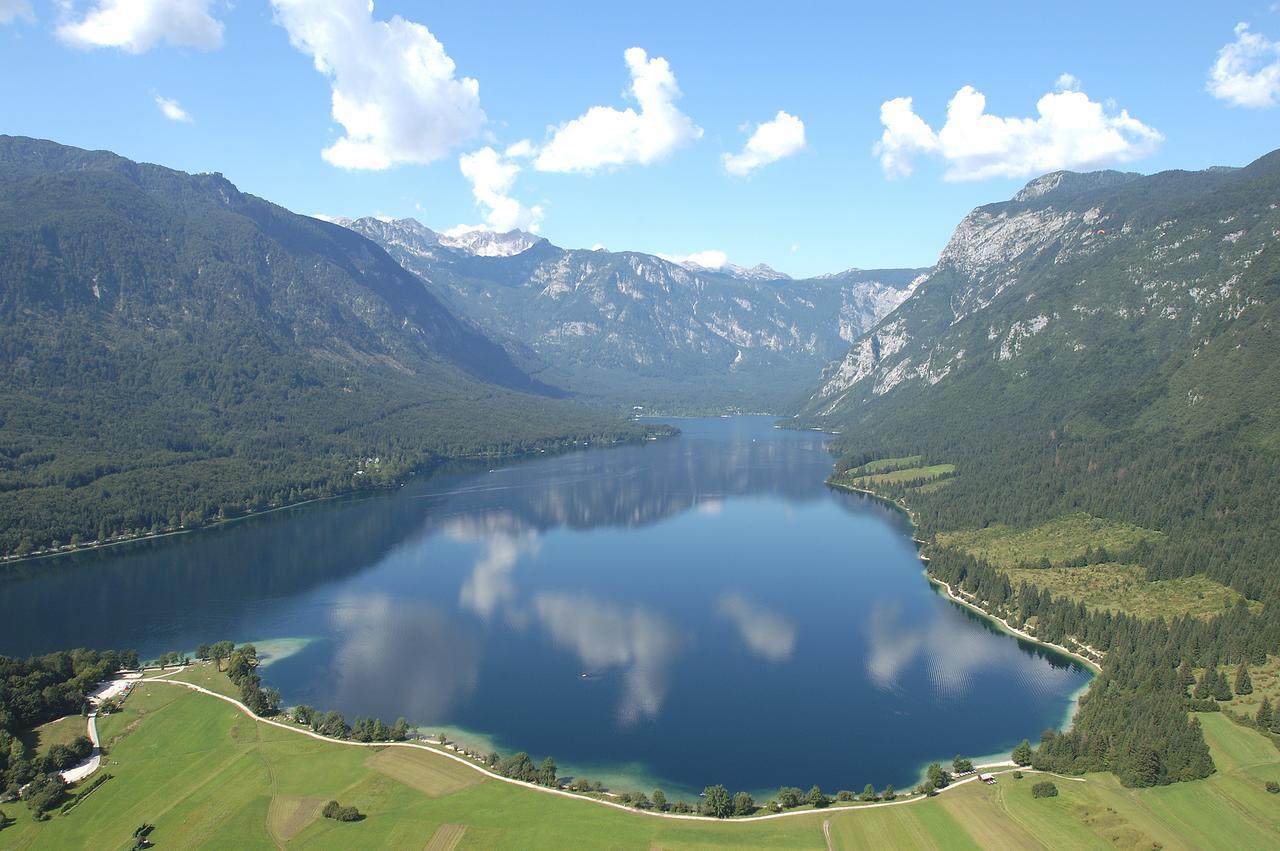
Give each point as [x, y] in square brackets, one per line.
[844, 795]
[1017, 775]
[1044, 789]
[337, 812]
[1273, 787]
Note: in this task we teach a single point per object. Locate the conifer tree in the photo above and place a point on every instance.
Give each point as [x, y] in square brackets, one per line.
[1244, 685]
[1264, 716]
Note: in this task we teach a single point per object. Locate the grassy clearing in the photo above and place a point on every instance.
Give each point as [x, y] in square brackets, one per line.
[1059, 540]
[1266, 682]
[1124, 588]
[904, 477]
[1114, 586]
[206, 674]
[208, 775]
[931, 487]
[59, 732]
[886, 465]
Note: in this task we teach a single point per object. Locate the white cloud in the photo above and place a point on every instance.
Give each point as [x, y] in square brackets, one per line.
[492, 175]
[710, 259]
[173, 110]
[11, 10]
[1070, 132]
[604, 136]
[136, 26]
[1247, 72]
[771, 141]
[394, 89]
[1067, 83]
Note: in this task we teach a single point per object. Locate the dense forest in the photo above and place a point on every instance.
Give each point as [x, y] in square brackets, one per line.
[173, 352]
[1141, 423]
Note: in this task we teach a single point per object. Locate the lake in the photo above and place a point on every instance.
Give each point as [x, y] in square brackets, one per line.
[680, 613]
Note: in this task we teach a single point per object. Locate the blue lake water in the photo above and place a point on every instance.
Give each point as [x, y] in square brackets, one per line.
[685, 612]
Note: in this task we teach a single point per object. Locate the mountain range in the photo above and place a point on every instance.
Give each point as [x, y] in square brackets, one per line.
[638, 329]
[173, 350]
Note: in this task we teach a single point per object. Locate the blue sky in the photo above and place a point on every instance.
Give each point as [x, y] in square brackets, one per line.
[262, 114]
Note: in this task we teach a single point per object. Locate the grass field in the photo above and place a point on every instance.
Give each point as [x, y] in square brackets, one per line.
[59, 732]
[886, 465]
[900, 477]
[1124, 588]
[1059, 540]
[207, 775]
[1118, 587]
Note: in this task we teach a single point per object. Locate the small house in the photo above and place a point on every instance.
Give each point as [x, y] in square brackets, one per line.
[989, 779]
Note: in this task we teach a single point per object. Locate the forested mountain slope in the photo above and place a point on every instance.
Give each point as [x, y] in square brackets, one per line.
[1097, 355]
[173, 350]
[1100, 341]
[638, 329]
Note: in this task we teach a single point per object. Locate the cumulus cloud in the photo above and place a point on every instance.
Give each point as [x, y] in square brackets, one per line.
[173, 110]
[709, 259]
[12, 10]
[395, 91]
[1070, 132]
[1247, 72]
[492, 175]
[136, 26]
[771, 141]
[604, 136]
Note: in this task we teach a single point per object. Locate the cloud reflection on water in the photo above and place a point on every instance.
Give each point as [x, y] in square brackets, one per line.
[603, 635]
[953, 651]
[767, 635]
[400, 658]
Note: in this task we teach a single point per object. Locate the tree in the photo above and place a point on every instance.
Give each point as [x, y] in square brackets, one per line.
[659, 800]
[743, 804]
[716, 802]
[1044, 789]
[303, 714]
[400, 731]
[815, 798]
[889, 793]
[1244, 685]
[202, 652]
[1206, 684]
[790, 797]
[937, 776]
[1186, 675]
[844, 796]
[1264, 716]
[640, 801]
[961, 765]
[869, 792]
[220, 650]
[492, 759]
[1222, 690]
[1022, 753]
[547, 772]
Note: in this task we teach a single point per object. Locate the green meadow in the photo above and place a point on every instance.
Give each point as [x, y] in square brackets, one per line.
[206, 774]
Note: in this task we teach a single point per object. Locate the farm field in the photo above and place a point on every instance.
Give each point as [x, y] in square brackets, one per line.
[206, 774]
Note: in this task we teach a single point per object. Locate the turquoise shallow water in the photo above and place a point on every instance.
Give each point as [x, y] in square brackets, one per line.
[693, 611]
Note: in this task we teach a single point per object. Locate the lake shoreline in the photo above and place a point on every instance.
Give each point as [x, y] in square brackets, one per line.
[8, 562]
[954, 597]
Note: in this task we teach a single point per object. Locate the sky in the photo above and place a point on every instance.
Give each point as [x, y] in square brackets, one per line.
[813, 137]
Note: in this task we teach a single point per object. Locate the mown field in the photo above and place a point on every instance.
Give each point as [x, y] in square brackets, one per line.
[208, 775]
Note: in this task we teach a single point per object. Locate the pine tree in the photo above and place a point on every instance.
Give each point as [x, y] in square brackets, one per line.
[1244, 685]
[1186, 674]
[1222, 690]
[1264, 716]
[1022, 753]
[1205, 687]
